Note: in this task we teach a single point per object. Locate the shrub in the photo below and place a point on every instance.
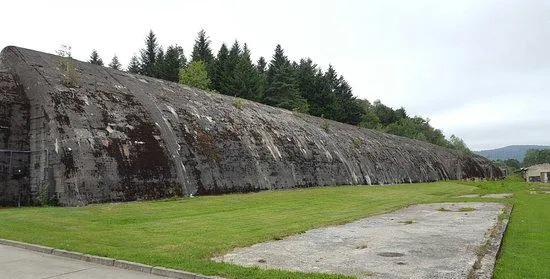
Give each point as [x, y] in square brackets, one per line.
[324, 125]
[356, 142]
[66, 65]
[239, 103]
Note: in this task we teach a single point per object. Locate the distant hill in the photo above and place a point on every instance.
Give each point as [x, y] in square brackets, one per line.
[509, 152]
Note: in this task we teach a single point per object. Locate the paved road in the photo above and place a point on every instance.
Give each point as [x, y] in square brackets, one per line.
[16, 263]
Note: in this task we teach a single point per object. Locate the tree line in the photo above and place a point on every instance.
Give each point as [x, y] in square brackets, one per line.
[532, 157]
[536, 156]
[295, 85]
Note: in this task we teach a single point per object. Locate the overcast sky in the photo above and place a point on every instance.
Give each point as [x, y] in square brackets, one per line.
[477, 69]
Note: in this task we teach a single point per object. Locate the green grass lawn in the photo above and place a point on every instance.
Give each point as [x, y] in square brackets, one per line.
[185, 233]
[525, 252]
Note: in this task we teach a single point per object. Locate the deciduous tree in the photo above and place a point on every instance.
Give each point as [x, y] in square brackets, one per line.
[195, 75]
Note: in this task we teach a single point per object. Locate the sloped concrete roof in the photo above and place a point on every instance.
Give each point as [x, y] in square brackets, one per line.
[115, 136]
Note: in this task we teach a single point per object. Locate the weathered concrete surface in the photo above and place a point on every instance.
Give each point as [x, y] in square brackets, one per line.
[25, 264]
[14, 142]
[421, 241]
[118, 137]
[493, 196]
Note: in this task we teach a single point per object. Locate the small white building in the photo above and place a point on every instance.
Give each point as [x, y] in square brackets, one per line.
[537, 173]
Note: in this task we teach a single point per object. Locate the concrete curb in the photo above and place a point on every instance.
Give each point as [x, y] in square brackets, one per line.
[155, 270]
[67, 254]
[133, 266]
[172, 273]
[98, 260]
[494, 246]
[33, 247]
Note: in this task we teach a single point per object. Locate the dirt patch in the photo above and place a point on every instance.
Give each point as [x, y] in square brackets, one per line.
[468, 196]
[438, 244]
[499, 196]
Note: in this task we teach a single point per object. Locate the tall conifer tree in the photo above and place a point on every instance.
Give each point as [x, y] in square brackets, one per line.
[220, 68]
[203, 52]
[159, 69]
[261, 69]
[173, 63]
[280, 85]
[311, 88]
[134, 66]
[245, 82]
[201, 49]
[226, 81]
[115, 64]
[262, 65]
[148, 55]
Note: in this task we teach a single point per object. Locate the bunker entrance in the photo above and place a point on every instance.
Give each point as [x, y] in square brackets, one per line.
[14, 177]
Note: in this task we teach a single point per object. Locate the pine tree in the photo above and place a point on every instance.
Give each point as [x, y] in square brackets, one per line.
[201, 49]
[344, 106]
[234, 54]
[245, 82]
[159, 69]
[335, 109]
[280, 87]
[148, 55]
[310, 86]
[261, 69]
[134, 66]
[220, 68]
[173, 63]
[353, 112]
[95, 59]
[182, 59]
[203, 52]
[261, 66]
[115, 64]
[228, 73]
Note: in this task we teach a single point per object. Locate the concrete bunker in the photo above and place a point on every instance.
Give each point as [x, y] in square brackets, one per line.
[113, 136]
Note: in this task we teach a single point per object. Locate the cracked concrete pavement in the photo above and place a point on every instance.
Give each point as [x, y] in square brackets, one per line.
[421, 241]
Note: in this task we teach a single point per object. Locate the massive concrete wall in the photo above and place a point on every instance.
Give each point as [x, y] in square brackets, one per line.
[14, 142]
[117, 137]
